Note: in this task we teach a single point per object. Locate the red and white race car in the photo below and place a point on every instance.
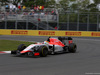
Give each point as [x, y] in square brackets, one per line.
[50, 46]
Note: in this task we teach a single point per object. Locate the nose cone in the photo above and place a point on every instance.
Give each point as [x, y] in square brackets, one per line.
[22, 52]
[25, 51]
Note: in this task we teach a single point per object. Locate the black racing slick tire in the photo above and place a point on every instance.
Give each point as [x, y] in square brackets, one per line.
[21, 47]
[72, 48]
[43, 50]
[13, 52]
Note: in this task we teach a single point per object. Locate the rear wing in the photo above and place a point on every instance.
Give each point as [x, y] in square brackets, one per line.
[70, 40]
[64, 38]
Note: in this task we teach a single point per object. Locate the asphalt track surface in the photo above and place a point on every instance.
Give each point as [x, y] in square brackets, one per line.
[86, 61]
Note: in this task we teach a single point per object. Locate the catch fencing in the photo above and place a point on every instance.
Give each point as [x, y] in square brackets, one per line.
[46, 21]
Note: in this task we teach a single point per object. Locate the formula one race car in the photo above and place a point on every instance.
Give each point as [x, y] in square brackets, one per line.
[50, 46]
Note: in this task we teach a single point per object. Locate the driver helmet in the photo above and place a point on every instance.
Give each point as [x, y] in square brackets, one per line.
[46, 42]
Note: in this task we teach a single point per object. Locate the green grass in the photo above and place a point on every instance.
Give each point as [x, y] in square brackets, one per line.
[8, 45]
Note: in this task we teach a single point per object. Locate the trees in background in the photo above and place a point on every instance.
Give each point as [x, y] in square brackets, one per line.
[80, 6]
[94, 7]
[28, 3]
[86, 10]
[66, 5]
[4, 2]
[15, 2]
[46, 3]
[50, 4]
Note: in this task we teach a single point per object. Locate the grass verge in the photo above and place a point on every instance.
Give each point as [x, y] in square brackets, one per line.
[8, 45]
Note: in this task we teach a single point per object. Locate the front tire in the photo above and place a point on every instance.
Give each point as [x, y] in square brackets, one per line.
[43, 51]
[21, 47]
[72, 48]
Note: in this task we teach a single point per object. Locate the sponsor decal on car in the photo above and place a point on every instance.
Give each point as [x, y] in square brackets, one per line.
[19, 32]
[95, 34]
[73, 33]
[46, 33]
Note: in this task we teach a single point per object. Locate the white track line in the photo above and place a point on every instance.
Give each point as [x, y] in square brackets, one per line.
[7, 51]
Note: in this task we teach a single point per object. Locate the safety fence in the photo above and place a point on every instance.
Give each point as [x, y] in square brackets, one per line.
[27, 20]
[44, 21]
[49, 33]
[79, 21]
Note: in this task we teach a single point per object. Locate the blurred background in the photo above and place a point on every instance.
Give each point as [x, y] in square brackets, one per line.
[77, 15]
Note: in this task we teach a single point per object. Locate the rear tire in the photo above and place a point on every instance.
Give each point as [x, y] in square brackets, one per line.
[72, 48]
[43, 51]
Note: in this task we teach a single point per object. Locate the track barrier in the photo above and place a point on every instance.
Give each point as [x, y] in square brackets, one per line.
[49, 33]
